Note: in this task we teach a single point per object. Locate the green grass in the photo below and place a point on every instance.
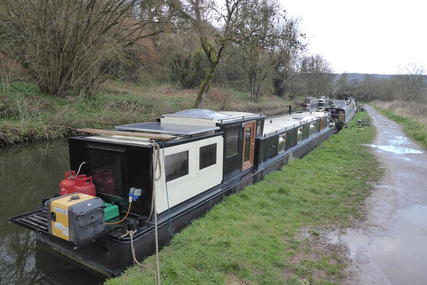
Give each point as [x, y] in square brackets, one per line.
[26, 114]
[253, 237]
[412, 128]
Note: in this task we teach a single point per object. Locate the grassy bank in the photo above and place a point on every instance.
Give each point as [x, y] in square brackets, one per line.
[411, 110]
[28, 115]
[413, 127]
[256, 236]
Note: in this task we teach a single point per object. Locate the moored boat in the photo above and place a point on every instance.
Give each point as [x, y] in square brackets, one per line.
[160, 176]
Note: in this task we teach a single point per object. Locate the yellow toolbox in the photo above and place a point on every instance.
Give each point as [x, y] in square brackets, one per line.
[75, 217]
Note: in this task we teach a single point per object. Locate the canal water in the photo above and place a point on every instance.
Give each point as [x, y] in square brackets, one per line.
[29, 173]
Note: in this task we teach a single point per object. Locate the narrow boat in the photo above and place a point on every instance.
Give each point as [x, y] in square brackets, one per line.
[323, 103]
[152, 179]
[310, 103]
[342, 111]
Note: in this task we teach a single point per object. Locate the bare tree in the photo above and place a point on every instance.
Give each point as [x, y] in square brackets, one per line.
[412, 84]
[290, 46]
[201, 14]
[316, 75]
[258, 48]
[68, 46]
[269, 53]
[218, 27]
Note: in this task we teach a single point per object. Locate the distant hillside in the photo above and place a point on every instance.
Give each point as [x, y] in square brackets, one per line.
[361, 76]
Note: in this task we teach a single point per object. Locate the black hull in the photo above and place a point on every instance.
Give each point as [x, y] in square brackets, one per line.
[109, 256]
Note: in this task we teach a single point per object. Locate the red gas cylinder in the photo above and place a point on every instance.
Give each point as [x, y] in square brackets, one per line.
[84, 184]
[66, 186]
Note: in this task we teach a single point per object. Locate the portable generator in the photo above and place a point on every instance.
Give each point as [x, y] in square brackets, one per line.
[75, 217]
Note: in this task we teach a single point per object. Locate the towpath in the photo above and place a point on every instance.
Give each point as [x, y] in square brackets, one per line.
[390, 247]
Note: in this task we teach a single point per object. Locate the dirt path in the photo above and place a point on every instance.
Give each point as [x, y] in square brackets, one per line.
[390, 247]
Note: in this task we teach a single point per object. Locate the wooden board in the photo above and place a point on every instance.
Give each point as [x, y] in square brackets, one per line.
[161, 137]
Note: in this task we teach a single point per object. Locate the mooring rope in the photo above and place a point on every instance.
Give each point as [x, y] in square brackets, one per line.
[132, 246]
[157, 173]
[157, 167]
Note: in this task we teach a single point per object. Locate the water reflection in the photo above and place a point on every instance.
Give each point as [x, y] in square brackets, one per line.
[399, 253]
[396, 146]
[28, 173]
[395, 149]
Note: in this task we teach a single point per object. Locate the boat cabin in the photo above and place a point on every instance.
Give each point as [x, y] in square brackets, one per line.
[206, 148]
[203, 149]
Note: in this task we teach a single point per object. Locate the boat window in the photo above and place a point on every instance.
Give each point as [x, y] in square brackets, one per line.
[282, 143]
[306, 131]
[299, 135]
[291, 138]
[176, 165]
[312, 128]
[259, 127]
[322, 123]
[207, 156]
[231, 141]
[106, 168]
[248, 136]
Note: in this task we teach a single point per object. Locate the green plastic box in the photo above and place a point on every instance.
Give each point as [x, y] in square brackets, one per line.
[110, 211]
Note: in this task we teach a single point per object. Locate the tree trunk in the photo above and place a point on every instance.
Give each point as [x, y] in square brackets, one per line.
[258, 91]
[252, 80]
[204, 88]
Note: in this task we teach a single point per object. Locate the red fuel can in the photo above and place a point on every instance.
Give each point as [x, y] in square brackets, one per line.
[66, 186]
[84, 184]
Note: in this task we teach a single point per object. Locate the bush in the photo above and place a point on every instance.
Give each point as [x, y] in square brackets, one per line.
[68, 47]
[190, 69]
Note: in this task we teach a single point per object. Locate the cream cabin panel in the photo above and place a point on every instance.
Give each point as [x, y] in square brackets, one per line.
[196, 181]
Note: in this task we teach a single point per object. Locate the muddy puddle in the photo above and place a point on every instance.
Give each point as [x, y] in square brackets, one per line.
[395, 257]
[390, 246]
[396, 149]
[396, 145]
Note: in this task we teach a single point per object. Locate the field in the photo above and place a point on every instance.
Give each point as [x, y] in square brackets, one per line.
[412, 117]
[269, 233]
[28, 115]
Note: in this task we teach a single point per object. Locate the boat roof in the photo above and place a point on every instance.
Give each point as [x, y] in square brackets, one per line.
[216, 116]
[188, 123]
[120, 140]
[162, 128]
[340, 103]
[285, 122]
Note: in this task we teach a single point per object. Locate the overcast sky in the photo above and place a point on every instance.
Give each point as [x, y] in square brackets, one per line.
[366, 36]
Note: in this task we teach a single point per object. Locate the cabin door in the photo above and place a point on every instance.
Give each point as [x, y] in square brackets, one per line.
[248, 144]
[341, 116]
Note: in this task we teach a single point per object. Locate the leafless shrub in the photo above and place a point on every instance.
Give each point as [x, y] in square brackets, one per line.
[69, 46]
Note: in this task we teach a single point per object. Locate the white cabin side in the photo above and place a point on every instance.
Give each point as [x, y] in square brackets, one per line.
[196, 181]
